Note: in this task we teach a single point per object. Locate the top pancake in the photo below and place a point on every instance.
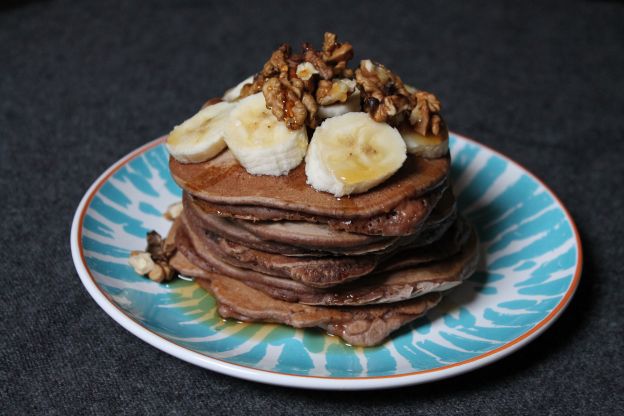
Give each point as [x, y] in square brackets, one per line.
[223, 180]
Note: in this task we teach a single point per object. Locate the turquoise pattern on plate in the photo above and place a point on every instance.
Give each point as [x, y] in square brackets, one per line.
[530, 259]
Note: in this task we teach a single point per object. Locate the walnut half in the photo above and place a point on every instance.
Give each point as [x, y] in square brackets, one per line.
[284, 100]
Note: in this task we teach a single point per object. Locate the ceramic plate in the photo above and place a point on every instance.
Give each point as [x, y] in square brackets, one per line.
[531, 265]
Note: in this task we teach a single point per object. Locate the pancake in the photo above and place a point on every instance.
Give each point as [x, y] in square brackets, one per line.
[296, 238]
[449, 244]
[232, 231]
[404, 219]
[305, 234]
[279, 248]
[383, 287]
[313, 271]
[328, 271]
[223, 180]
[298, 233]
[360, 326]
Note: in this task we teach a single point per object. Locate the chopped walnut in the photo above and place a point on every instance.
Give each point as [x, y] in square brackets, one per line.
[310, 104]
[322, 91]
[377, 81]
[283, 90]
[284, 100]
[387, 99]
[332, 60]
[154, 262]
[289, 82]
[305, 71]
[295, 85]
[156, 248]
[141, 262]
[424, 114]
[337, 90]
[277, 64]
[336, 52]
[161, 273]
[316, 59]
[173, 211]
[253, 87]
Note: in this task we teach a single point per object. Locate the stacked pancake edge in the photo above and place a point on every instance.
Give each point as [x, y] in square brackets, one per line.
[272, 249]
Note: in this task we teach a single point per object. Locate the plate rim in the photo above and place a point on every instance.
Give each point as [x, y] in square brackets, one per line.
[305, 381]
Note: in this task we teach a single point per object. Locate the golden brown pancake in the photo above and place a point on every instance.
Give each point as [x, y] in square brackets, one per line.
[360, 326]
[328, 271]
[382, 287]
[223, 180]
[404, 219]
[297, 238]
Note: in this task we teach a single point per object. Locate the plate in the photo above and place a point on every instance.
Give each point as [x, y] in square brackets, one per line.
[530, 268]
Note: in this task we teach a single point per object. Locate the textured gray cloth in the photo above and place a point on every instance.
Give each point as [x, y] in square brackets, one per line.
[83, 83]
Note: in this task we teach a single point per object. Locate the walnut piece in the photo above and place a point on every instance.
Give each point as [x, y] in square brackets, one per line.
[277, 65]
[154, 262]
[337, 90]
[289, 81]
[336, 53]
[141, 262]
[426, 113]
[253, 87]
[316, 59]
[161, 273]
[173, 211]
[384, 96]
[387, 99]
[295, 85]
[310, 104]
[283, 98]
[305, 71]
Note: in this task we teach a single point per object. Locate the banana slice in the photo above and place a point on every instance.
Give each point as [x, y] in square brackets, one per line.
[352, 105]
[200, 137]
[262, 143]
[430, 147]
[233, 93]
[352, 153]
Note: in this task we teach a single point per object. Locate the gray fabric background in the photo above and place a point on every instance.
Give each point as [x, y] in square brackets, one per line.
[83, 83]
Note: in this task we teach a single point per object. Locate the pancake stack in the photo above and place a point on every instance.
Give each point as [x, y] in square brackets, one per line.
[316, 195]
[273, 249]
